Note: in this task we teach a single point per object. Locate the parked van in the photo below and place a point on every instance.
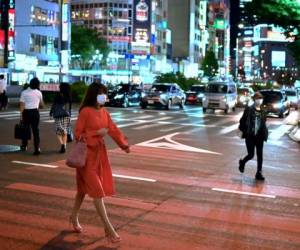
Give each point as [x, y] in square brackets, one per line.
[220, 95]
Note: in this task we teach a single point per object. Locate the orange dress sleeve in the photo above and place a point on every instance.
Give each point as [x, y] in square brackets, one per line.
[81, 124]
[115, 133]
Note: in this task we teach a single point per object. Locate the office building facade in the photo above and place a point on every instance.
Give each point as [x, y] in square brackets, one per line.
[37, 40]
[187, 20]
[219, 33]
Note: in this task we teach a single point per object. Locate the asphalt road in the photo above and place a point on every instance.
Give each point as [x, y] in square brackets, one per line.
[179, 188]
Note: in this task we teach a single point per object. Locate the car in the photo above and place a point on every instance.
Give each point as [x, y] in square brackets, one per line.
[244, 96]
[275, 102]
[124, 95]
[164, 95]
[195, 94]
[220, 95]
[292, 97]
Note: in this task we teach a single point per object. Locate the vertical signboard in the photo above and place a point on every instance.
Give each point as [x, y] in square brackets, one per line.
[65, 35]
[11, 32]
[142, 13]
[7, 32]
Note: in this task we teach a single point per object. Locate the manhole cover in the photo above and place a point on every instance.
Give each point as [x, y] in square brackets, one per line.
[9, 148]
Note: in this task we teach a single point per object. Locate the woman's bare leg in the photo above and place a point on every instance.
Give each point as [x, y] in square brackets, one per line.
[101, 210]
[77, 204]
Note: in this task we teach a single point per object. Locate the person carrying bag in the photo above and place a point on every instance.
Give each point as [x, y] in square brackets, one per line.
[62, 115]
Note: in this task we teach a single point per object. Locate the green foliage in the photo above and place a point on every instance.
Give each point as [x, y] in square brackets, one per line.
[78, 91]
[283, 13]
[48, 96]
[259, 85]
[179, 78]
[210, 64]
[84, 44]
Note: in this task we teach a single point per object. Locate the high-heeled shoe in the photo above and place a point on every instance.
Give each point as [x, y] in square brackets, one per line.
[110, 238]
[76, 227]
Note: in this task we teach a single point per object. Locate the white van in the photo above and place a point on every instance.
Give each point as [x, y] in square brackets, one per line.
[220, 95]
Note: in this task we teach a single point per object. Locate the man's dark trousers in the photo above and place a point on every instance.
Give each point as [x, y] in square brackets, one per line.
[31, 117]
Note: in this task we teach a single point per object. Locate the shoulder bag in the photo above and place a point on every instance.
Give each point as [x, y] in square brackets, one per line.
[77, 155]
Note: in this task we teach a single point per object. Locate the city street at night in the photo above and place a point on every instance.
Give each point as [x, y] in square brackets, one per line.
[179, 188]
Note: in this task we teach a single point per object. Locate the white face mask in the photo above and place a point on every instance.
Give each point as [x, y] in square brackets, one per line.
[101, 99]
[258, 102]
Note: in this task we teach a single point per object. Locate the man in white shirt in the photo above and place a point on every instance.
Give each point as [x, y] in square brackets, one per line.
[30, 101]
[3, 97]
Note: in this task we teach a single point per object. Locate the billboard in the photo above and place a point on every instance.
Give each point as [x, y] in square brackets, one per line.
[278, 58]
[142, 22]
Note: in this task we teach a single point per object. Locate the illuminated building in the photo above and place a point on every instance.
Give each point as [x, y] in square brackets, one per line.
[37, 40]
[272, 59]
[219, 32]
[244, 43]
[136, 32]
[113, 21]
[187, 20]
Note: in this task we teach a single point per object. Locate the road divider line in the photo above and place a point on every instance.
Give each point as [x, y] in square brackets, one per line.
[35, 164]
[115, 175]
[134, 178]
[243, 193]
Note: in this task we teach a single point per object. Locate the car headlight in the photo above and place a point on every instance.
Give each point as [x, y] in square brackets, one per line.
[201, 95]
[277, 105]
[143, 95]
[119, 96]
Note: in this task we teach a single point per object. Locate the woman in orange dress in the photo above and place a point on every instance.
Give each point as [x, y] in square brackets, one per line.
[95, 179]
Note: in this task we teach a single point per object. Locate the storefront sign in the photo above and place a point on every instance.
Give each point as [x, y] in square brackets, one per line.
[142, 24]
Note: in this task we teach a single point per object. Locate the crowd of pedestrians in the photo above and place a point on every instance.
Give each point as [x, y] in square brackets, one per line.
[94, 123]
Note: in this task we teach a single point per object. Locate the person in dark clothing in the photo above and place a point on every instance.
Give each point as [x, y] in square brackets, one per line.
[61, 112]
[30, 101]
[3, 96]
[254, 130]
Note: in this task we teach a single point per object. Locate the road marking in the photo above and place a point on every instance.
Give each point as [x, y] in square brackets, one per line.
[243, 193]
[170, 129]
[229, 129]
[166, 142]
[134, 178]
[35, 164]
[115, 175]
[279, 132]
[147, 126]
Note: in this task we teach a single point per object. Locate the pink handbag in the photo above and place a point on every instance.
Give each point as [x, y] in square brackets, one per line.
[77, 155]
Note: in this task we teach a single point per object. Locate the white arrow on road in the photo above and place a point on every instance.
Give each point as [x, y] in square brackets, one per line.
[166, 142]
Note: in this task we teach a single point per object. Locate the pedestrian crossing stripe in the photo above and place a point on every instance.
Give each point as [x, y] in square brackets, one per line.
[166, 142]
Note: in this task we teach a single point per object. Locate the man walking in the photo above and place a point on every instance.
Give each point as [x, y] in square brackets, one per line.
[30, 101]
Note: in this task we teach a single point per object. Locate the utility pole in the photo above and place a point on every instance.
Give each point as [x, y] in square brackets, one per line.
[60, 5]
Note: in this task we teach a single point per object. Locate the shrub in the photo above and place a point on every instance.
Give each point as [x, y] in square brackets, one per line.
[48, 96]
[78, 91]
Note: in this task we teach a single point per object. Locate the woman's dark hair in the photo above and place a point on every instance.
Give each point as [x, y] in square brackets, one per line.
[90, 99]
[34, 83]
[65, 91]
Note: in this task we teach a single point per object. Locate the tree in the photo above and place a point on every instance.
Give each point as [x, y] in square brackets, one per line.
[179, 78]
[85, 45]
[210, 65]
[283, 13]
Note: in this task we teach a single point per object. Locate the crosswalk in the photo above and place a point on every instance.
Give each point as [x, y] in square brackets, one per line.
[156, 196]
[186, 121]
